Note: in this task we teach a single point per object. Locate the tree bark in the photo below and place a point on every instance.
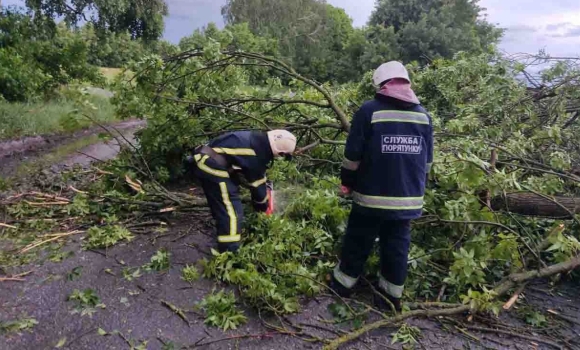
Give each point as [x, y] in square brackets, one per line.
[531, 204]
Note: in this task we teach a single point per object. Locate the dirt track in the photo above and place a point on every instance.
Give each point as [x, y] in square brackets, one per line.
[135, 307]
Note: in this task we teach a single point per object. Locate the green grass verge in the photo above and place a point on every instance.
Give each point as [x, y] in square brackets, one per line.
[49, 117]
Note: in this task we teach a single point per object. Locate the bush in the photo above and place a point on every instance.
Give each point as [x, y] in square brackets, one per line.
[36, 58]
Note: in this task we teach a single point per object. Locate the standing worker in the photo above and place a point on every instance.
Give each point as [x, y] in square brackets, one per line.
[218, 165]
[388, 157]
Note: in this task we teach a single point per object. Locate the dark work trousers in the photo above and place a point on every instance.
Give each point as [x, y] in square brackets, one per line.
[394, 240]
[223, 198]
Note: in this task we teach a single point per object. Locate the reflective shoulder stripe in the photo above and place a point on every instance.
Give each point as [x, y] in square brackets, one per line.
[350, 165]
[258, 183]
[343, 278]
[390, 288]
[229, 239]
[197, 157]
[388, 203]
[400, 117]
[235, 151]
[203, 167]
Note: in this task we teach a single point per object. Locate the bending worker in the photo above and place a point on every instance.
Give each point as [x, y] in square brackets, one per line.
[388, 156]
[218, 165]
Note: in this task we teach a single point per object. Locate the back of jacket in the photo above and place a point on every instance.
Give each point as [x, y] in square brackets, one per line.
[387, 158]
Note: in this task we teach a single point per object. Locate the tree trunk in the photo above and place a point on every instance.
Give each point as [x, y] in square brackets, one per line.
[531, 204]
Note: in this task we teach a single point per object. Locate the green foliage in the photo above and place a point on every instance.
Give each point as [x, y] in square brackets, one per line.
[343, 313]
[85, 301]
[482, 301]
[60, 114]
[428, 29]
[536, 319]
[220, 309]
[113, 49]
[18, 326]
[466, 270]
[406, 335]
[190, 274]
[75, 273]
[159, 261]
[36, 58]
[283, 256]
[563, 246]
[106, 236]
[131, 273]
[140, 19]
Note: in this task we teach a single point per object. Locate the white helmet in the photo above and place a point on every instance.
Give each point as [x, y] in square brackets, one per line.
[388, 71]
[282, 142]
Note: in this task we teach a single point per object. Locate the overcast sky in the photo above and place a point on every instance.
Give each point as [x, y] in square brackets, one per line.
[531, 24]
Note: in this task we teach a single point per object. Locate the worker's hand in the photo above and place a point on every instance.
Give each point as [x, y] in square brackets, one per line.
[261, 207]
[346, 191]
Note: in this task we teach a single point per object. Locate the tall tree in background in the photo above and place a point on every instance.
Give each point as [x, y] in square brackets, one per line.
[141, 18]
[311, 33]
[427, 29]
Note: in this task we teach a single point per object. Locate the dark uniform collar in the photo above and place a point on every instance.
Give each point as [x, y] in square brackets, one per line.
[261, 144]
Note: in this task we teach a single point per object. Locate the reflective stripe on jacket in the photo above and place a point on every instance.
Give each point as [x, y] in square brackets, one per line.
[246, 151]
[387, 158]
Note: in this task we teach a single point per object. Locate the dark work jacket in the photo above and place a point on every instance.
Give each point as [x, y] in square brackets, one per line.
[388, 155]
[246, 151]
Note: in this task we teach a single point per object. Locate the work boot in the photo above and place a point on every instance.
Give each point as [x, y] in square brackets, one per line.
[228, 247]
[341, 290]
[383, 305]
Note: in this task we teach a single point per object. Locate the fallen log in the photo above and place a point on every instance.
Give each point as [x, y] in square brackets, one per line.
[532, 204]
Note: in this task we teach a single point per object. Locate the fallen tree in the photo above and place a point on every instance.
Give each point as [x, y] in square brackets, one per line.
[535, 204]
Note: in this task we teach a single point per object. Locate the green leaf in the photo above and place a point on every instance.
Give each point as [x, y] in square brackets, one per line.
[61, 342]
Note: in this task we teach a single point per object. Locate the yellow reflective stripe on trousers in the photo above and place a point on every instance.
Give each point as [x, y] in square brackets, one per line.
[258, 183]
[400, 117]
[389, 203]
[390, 288]
[343, 278]
[229, 239]
[230, 209]
[350, 164]
[235, 151]
[203, 167]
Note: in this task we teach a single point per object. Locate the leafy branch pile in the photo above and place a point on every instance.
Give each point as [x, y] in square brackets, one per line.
[500, 142]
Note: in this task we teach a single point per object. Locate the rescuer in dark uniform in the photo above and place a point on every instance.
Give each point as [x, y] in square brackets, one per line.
[388, 156]
[217, 165]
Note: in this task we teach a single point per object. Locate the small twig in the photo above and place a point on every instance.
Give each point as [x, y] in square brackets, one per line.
[234, 337]
[57, 236]
[514, 334]
[564, 317]
[441, 292]
[11, 279]
[8, 226]
[514, 297]
[176, 310]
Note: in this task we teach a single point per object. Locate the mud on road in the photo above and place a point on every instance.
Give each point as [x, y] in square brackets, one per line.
[15, 153]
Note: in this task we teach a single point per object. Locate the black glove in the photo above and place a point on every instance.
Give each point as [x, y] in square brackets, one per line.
[261, 207]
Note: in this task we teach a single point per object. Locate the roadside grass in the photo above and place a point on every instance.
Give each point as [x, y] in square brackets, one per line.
[110, 73]
[50, 117]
